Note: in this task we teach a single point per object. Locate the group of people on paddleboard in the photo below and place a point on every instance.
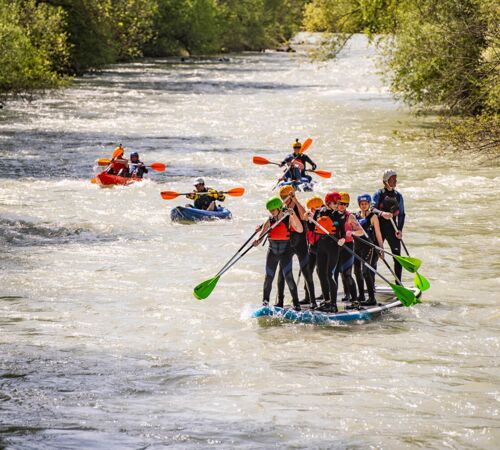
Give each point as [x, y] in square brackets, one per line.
[325, 236]
[122, 167]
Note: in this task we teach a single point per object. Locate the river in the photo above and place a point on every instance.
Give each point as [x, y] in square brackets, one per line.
[102, 344]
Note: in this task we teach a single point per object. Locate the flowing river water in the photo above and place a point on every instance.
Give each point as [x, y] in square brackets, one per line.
[102, 344]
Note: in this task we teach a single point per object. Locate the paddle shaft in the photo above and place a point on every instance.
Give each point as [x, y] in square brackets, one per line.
[402, 242]
[351, 252]
[369, 242]
[238, 251]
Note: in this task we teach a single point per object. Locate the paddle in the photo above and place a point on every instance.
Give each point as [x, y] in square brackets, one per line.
[405, 296]
[158, 166]
[205, 288]
[170, 195]
[261, 161]
[321, 173]
[419, 281]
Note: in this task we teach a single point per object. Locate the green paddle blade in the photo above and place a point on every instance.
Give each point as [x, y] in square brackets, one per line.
[204, 289]
[421, 283]
[409, 263]
[405, 296]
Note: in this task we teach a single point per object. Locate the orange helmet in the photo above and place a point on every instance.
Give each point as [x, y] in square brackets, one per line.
[314, 203]
[344, 197]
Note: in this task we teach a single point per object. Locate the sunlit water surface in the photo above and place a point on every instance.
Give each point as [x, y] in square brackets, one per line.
[102, 344]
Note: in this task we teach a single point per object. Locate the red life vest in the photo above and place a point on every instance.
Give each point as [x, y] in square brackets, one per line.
[118, 165]
[280, 232]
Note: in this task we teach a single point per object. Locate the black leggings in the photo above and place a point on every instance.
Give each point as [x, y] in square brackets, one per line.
[389, 234]
[344, 267]
[363, 274]
[327, 258]
[300, 249]
[311, 265]
[279, 252]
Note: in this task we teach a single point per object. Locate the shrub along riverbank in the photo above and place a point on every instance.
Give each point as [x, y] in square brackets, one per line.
[437, 55]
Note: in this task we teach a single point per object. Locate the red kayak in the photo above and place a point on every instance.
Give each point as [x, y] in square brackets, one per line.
[105, 180]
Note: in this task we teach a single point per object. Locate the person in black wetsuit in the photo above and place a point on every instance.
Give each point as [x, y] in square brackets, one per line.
[298, 243]
[301, 157]
[369, 222]
[328, 249]
[280, 250]
[202, 200]
[136, 167]
[388, 204]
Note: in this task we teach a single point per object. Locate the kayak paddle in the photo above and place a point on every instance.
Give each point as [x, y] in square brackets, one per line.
[307, 143]
[321, 173]
[419, 281]
[205, 288]
[159, 167]
[404, 295]
[170, 195]
[261, 161]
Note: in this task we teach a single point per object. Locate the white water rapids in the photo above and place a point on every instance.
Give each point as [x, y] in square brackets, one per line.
[102, 344]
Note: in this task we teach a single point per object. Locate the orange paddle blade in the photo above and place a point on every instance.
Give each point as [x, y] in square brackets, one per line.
[103, 162]
[118, 152]
[159, 167]
[169, 195]
[307, 143]
[236, 192]
[93, 180]
[260, 160]
[323, 173]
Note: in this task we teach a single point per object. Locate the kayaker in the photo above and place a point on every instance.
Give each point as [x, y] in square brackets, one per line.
[204, 197]
[118, 165]
[280, 250]
[328, 249]
[369, 222]
[312, 205]
[298, 244]
[346, 259]
[302, 157]
[136, 167]
[388, 203]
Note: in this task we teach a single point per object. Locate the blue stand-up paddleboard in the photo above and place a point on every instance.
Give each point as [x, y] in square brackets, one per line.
[186, 214]
[271, 314]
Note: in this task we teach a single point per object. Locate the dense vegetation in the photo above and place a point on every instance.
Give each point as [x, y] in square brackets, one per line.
[440, 55]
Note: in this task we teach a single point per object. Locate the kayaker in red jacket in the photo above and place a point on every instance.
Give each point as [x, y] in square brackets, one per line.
[118, 165]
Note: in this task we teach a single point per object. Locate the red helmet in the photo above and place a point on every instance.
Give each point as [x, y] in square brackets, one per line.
[332, 197]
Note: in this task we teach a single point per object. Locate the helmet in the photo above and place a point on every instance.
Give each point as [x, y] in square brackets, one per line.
[286, 190]
[344, 197]
[198, 181]
[332, 197]
[134, 154]
[274, 203]
[297, 144]
[314, 202]
[364, 198]
[388, 174]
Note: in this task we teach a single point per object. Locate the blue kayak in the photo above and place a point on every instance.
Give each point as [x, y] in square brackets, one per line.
[187, 214]
[304, 185]
[269, 315]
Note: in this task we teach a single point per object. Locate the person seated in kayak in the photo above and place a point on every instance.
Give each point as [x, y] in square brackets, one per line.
[370, 224]
[293, 173]
[388, 204]
[302, 157]
[136, 167]
[281, 222]
[298, 243]
[204, 198]
[118, 165]
[329, 244]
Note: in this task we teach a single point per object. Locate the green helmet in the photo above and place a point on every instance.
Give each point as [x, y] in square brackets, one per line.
[274, 203]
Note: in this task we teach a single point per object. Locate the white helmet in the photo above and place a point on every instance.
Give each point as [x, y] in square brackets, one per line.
[198, 181]
[388, 174]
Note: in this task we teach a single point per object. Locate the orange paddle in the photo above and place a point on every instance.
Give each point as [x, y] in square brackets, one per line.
[262, 161]
[159, 167]
[170, 195]
[321, 173]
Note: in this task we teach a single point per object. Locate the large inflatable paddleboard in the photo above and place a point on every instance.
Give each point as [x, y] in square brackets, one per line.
[272, 314]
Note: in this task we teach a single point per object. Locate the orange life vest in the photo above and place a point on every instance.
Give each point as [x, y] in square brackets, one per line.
[117, 165]
[327, 224]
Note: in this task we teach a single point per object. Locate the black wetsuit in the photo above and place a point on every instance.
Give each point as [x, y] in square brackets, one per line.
[328, 254]
[298, 244]
[368, 254]
[280, 252]
[136, 170]
[303, 158]
[391, 201]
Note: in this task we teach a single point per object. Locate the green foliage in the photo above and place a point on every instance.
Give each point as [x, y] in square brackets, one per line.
[34, 47]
